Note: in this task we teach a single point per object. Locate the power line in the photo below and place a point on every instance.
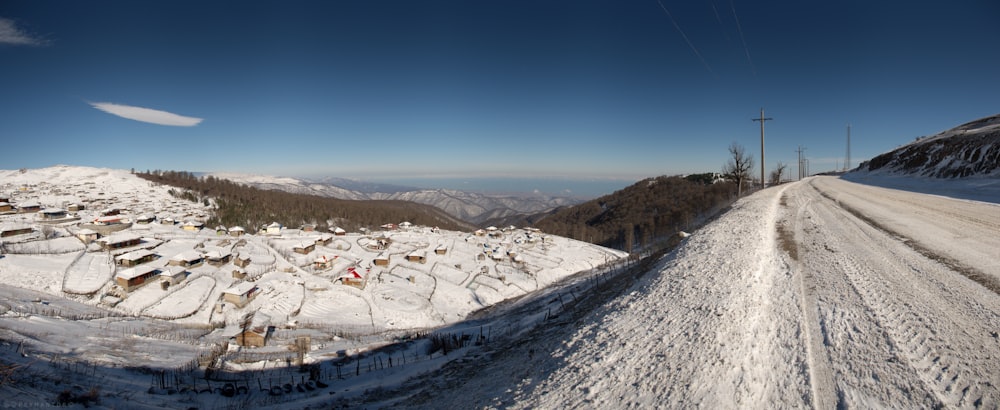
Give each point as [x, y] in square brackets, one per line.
[762, 119]
[800, 150]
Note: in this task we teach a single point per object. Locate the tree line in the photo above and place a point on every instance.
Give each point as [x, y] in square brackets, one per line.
[643, 213]
[242, 205]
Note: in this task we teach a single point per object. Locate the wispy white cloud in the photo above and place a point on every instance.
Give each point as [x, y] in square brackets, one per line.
[147, 114]
[10, 34]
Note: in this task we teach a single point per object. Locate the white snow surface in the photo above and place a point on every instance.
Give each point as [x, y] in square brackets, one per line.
[821, 293]
[788, 300]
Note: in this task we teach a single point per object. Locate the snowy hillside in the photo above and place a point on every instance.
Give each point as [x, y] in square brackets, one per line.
[467, 206]
[969, 150]
[92, 260]
[821, 293]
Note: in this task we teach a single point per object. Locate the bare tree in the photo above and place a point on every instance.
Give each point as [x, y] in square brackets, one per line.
[779, 171]
[739, 165]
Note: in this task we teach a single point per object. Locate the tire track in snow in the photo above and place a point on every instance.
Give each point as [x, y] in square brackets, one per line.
[933, 319]
[820, 378]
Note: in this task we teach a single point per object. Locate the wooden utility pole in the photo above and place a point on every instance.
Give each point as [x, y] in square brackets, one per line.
[762, 119]
[800, 161]
[847, 165]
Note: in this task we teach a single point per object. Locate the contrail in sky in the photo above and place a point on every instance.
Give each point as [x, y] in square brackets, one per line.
[719, 19]
[678, 27]
[743, 39]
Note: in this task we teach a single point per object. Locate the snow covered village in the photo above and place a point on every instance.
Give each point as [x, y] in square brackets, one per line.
[106, 271]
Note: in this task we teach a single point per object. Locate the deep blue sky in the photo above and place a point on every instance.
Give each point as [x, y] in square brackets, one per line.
[392, 90]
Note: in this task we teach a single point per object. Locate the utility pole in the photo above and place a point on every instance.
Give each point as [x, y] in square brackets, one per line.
[801, 148]
[762, 119]
[847, 165]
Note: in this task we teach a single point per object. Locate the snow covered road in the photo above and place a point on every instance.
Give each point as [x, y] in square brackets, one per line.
[822, 293]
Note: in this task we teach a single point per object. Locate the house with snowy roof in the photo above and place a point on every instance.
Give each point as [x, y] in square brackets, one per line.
[237, 231]
[29, 207]
[324, 239]
[241, 293]
[136, 257]
[87, 235]
[338, 231]
[192, 226]
[304, 247]
[173, 275]
[273, 229]
[133, 278]
[382, 259]
[322, 263]
[218, 256]
[52, 214]
[108, 220]
[241, 260]
[6, 207]
[119, 241]
[257, 333]
[9, 229]
[418, 255]
[187, 259]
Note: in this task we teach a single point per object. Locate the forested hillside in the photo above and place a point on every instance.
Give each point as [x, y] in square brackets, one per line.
[251, 207]
[643, 213]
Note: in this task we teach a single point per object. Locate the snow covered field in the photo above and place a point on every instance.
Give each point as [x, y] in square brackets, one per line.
[63, 302]
[788, 300]
[821, 293]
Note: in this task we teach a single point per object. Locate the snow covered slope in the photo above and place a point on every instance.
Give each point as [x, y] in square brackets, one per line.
[971, 149]
[821, 293]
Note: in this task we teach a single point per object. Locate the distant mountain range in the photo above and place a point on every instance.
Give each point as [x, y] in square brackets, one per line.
[476, 208]
[968, 150]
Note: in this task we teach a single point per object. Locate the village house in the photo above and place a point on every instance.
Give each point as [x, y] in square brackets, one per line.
[241, 293]
[167, 221]
[192, 226]
[308, 228]
[273, 229]
[322, 263]
[75, 207]
[51, 214]
[221, 230]
[419, 256]
[87, 235]
[7, 230]
[405, 225]
[173, 275]
[241, 260]
[324, 239]
[441, 250]
[352, 278]
[257, 333]
[111, 212]
[119, 241]
[237, 231]
[382, 259]
[132, 278]
[239, 273]
[145, 219]
[6, 207]
[304, 247]
[29, 207]
[108, 220]
[338, 231]
[218, 257]
[187, 259]
[135, 257]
